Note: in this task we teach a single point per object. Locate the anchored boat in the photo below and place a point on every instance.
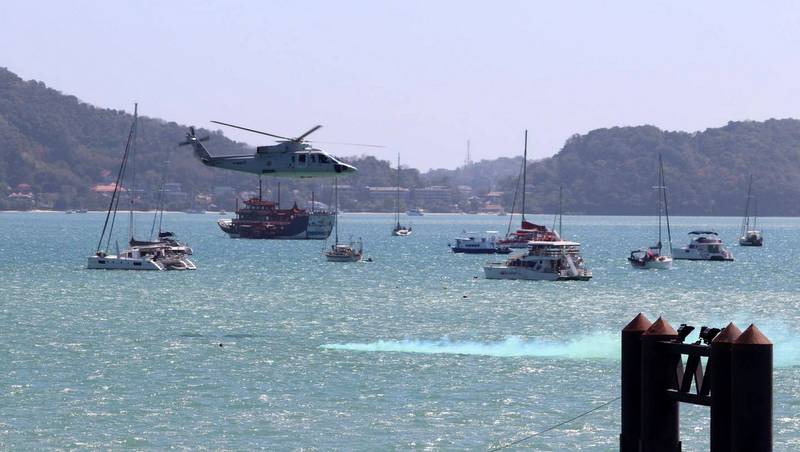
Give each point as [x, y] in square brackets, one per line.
[343, 252]
[545, 261]
[750, 235]
[703, 246]
[653, 257]
[164, 253]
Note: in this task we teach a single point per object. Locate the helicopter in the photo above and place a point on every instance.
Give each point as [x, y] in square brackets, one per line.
[291, 157]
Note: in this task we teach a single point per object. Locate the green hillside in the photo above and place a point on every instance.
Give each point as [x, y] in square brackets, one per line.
[61, 147]
[612, 171]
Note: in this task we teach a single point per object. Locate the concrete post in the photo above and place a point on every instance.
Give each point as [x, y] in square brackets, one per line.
[720, 366]
[660, 430]
[751, 385]
[631, 382]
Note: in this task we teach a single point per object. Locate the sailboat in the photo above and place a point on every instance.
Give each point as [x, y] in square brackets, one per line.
[342, 252]
[166, 253]
[750, 236]
[399, 230]
[527, 231]
[652, 256]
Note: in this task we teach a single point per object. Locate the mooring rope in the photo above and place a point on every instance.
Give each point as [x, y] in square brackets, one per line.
[514, 443]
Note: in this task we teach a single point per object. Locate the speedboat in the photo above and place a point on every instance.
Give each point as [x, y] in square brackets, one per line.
[545, 261]
[415, 212]
[650, 258]
[703, 246]
[475, 243]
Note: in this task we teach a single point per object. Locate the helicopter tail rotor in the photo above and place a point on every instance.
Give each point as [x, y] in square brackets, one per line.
[191, 138]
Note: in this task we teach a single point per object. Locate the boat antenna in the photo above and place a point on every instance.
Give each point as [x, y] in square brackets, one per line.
[524, 173]
[312, 201]
[663, 184]
[279, 194]
[259, 188]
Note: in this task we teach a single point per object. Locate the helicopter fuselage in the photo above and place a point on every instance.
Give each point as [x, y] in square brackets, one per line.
[286, 159]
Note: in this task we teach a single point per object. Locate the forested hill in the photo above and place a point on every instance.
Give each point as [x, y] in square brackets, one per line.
[58, 144]
[61, 147]
[612, 171]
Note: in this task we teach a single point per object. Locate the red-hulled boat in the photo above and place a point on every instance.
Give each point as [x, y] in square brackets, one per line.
[260, 219]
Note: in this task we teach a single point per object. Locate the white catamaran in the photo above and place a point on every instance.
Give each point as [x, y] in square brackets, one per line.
[165, 253]
[653, 257]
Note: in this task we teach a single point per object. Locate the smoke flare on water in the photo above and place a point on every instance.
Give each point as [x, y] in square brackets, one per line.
[596, 346]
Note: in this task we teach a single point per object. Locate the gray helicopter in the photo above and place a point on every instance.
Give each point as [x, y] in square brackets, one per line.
[291, 157]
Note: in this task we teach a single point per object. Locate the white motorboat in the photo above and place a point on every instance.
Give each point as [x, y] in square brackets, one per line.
[750, 235]
[653, 257]
[703, 246]
[476, 243]
[415, 212]
[545, 261]
[399, 230]
[343, 252]
[165, 253]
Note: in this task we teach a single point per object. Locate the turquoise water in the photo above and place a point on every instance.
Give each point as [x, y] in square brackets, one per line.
[413, 351]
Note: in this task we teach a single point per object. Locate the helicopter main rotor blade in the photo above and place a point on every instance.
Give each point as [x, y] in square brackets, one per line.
[348, 144]
[310, 131]
[253, 130]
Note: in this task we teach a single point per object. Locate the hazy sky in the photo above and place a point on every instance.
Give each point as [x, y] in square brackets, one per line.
[420, 77]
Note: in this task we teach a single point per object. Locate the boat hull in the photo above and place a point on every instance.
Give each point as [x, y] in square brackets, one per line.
[664, 263]
[747, 242]
[496, 271]
[694, 255]
[311, 227]
[122, 263]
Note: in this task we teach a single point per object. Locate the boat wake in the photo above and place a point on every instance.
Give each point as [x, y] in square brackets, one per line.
[596, 346]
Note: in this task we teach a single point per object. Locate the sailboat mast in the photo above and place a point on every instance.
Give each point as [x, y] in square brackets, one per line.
[746, 219]
[336, 202]
[659, 195]
[133, 169]
[397, 205]
[524, 173]
[666, 206]
[560, 209]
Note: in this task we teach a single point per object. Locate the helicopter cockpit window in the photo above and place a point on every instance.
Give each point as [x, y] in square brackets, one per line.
[323, 159]
[302, 158]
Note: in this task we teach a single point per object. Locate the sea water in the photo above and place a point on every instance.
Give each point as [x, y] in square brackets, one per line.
[267, 345]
